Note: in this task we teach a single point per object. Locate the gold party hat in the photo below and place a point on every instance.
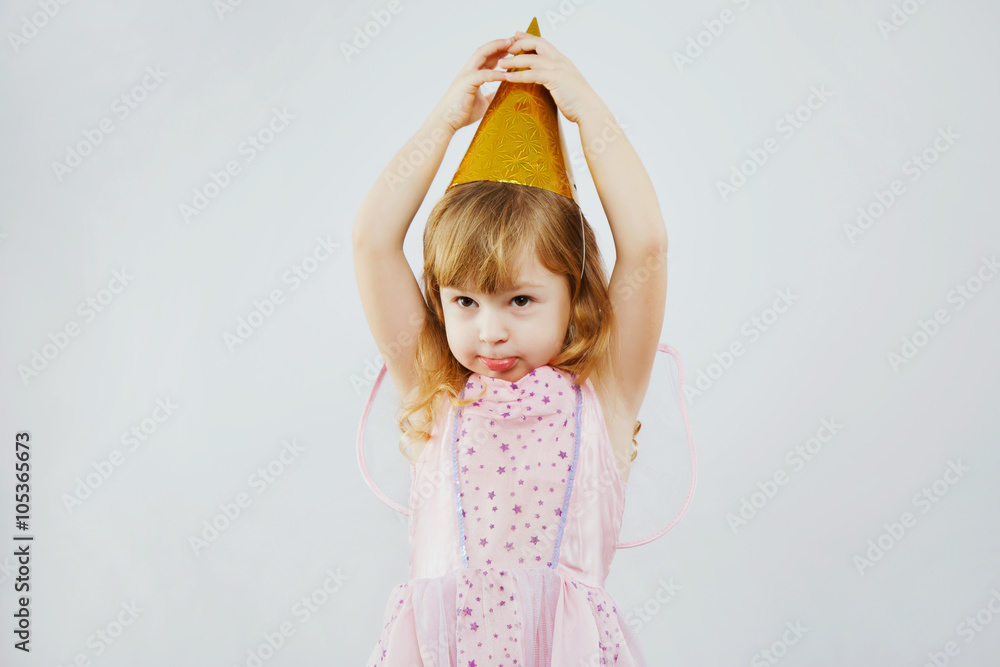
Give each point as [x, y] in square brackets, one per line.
[518, 139]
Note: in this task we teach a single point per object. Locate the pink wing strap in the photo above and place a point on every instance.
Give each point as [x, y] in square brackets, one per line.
[662, 347]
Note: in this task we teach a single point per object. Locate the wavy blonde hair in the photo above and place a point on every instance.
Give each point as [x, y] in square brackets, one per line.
[474, 236]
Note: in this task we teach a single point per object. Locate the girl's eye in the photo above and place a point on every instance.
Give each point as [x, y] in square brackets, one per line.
[461, 301]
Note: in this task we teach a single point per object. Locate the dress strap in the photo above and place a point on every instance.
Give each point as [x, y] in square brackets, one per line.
[662, 347]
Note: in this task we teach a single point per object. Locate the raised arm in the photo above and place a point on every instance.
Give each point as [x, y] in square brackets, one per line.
[639, 281]
[390, 295]
[638, 285]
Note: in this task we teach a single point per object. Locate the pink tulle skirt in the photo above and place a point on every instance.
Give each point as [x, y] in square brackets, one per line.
[488, 617]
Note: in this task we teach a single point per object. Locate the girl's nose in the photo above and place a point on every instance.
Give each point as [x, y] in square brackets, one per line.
[491, 330]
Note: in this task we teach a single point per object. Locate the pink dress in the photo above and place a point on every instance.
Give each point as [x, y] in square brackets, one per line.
[515, 512]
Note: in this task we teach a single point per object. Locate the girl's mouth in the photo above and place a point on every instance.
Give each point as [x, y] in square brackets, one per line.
[498, 364]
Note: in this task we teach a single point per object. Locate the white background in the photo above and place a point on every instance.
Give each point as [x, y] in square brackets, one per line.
[303, 375]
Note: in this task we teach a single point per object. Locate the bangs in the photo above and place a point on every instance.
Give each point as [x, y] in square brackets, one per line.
[481, 263]
[479, 244]
[480, 231]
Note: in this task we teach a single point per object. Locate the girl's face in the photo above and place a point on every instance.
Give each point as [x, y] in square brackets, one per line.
[525, 326]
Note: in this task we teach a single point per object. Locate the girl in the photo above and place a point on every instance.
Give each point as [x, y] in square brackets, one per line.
[521, 376]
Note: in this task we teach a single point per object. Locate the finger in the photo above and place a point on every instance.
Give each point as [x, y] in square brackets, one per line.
[525, 42]
[526, 76]
[480, 55]
[491, 60]
[530, 60]
[480, 76]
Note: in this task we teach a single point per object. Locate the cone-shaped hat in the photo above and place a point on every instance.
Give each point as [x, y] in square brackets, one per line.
[518, 140]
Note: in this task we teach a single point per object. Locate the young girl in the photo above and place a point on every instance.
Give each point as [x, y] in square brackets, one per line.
[521, 369]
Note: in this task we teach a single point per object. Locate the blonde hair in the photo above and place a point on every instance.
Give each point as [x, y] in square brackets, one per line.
[474, 237]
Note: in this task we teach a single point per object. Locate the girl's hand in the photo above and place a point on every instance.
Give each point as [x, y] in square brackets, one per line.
[572, 94]
[463, 103]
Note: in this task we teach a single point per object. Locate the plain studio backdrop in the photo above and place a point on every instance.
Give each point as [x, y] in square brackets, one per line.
[183, 339]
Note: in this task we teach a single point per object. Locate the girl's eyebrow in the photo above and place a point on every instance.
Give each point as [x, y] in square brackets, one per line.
[515, 288]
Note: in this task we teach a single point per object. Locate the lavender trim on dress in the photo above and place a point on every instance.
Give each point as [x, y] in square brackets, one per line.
[454, 469]
[572, 475]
